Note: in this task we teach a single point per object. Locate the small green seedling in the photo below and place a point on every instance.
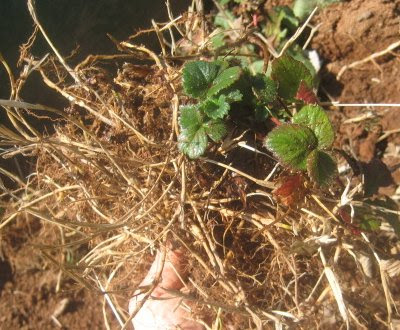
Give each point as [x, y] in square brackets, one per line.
[208, 82]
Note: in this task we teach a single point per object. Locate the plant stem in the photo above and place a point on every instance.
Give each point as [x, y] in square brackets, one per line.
[285, 107]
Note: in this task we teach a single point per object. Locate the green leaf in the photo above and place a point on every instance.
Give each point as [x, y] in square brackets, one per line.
[287, 18]
[300, 55]
[288, 73]
[234, 96]
[303, 8]
[198, 77]
[281, 22]
[291, 144]
[370, 223]
[192, 140]
[193, 143]
[225, 79]
[265, 89]
[261, 113]
[314, 117]
[257, 66]
[215, 129]
[320, 167]
[216, 108]
[224, 19]
[218, 40]
[190, 116]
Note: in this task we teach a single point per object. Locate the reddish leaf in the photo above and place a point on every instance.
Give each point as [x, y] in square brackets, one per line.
[306, 94]
[290, 184]
[355, 230]
[346, 217]
[290, 190]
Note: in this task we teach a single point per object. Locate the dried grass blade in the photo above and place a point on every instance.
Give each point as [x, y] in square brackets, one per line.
[335, 287]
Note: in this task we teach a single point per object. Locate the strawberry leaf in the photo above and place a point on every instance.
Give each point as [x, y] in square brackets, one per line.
[291, 144]
[215, 129]
[265, 89]
[289, 73]
[314, 117]
[216, 107]
[190, 116]
[234, 96]
[303, 8]
[192, 140]
[320, 167]
[198, 77]
[225, 79]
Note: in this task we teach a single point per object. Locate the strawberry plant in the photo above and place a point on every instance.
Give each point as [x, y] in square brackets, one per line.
[206, 81]
[215, 86]
[302, 144]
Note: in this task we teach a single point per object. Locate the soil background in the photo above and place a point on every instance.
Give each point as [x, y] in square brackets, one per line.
[349, 31]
